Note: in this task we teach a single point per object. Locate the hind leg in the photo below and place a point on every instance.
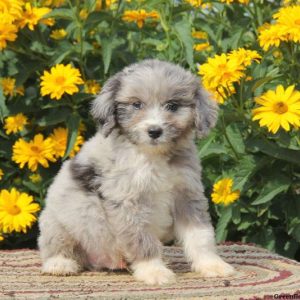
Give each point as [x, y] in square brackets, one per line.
[59, 251]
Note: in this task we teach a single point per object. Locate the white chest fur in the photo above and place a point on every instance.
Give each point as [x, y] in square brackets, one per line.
[130, 175]
[158, 177]
[148, 181]
[161, 220]
[158, 181]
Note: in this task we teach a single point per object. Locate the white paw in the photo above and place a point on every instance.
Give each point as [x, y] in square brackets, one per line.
[59, 265]
[212, 266]
[153, 272]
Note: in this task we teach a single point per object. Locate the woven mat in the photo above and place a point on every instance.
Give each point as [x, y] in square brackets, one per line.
[260, 275]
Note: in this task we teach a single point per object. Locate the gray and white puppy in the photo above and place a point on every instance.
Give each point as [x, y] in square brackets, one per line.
[137, 183]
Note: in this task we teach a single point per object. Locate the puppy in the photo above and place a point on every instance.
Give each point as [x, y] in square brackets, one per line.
[137, 183]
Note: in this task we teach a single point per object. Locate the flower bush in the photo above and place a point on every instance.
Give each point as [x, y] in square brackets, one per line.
[56, 55]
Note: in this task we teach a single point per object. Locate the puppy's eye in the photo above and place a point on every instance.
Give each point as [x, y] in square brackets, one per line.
[137, 105]
[172, 106]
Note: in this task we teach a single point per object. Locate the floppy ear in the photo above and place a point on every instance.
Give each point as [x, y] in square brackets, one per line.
[206, 112]
[103, 107]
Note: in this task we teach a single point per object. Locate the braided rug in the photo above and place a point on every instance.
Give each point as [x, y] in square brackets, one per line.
[260, 275]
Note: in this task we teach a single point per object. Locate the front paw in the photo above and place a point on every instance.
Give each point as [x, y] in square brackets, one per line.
[60, 266]
[212, 266]
[152, 272]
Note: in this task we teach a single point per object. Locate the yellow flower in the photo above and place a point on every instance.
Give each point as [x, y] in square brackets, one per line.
[223, 193]
[222, 71]
[98, 5]
[53, 3]
[8, 85]
[82, 128]
[206, 5]
[245, 57]
[58, 34]
[1, 238]
[277, 54]
[139, 16]
[35, 178]
[83, 14]
[35, 152]
[92, 87]
[20, 90]
[1, 174]
[60, 138]
[239, 1]
[221, 93]
[108, 4]
[195, 3]
[16, 123]
[289, 2]
[199, 35]
[286, 28]
[279, 108]
[61, 79]
[49, 21]
[32, 15]
[219, 73]
[17, 211]
[271, 35]
[13, 8]
[8, 31]
[201, 46]
[289, 20]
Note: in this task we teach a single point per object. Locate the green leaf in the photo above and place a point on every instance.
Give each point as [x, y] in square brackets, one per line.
[3, 107]
[235, 137]
[183, 28]
[247, 167]
[59, 57]
[61, 13]
[95, 18]
[213, 150]
[296, 233]
[6, 148]
[261, 82]
[247, 222]
[264, 237]
[54, 116]
[72, 125]
[290, 247]
[31, 186]
[234, 40]
[236, 215]
[107, 46]
[221, 232]
[274, 150]
[272, 188]
[204, 144]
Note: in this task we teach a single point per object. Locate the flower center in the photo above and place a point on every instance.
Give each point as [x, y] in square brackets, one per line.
[14, 210]
[60, 80]
[35, 149]
[297, 22]
[280, 107]
[224, 190]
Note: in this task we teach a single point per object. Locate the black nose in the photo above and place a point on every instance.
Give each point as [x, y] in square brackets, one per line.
[154, 132]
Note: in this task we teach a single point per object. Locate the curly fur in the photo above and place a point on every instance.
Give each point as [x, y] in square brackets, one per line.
[126, 193]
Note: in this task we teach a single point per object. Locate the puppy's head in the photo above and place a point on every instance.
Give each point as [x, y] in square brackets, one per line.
[154, 104]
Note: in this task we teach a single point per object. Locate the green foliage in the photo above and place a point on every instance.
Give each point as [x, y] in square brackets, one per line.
[265, 167]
